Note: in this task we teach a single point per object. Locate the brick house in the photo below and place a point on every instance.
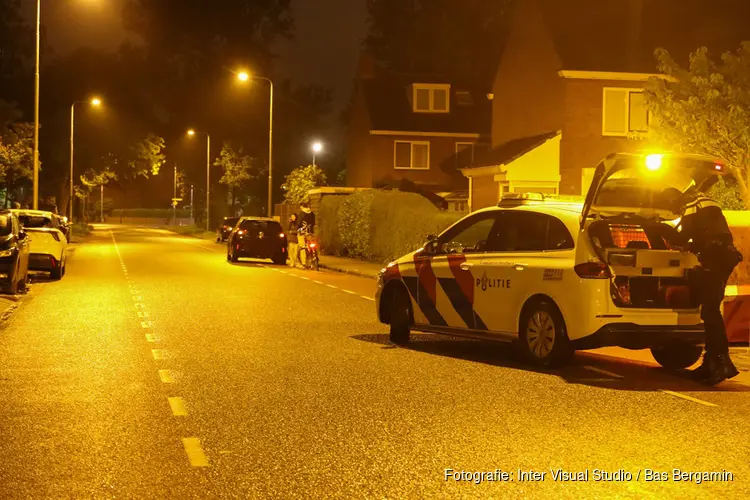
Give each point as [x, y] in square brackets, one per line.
[569, 87]
[416, 133]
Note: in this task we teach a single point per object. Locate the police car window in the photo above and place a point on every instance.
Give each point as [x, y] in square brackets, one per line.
[469, 237]
[529, 232]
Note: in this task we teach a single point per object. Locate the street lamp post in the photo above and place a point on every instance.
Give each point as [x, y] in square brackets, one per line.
[36, 106]
[94, 102]
[191, 133]
[244, 76]
[316, 148]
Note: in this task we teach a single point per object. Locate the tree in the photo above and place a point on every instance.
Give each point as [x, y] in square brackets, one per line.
[148, 156]
[16, 163]
[239, 170]
[460, 39]
[705, 109]
[302, 180]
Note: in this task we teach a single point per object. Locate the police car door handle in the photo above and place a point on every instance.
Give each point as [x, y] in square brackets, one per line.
[519, 267]
[465, 266]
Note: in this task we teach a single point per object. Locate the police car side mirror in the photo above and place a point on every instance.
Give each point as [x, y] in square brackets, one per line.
[430, 245]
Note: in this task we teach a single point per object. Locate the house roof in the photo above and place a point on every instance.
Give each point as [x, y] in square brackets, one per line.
[621, 35]
[389, 105]
[511, 150]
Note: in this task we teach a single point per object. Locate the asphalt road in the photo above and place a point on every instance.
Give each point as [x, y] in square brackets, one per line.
[155, 369]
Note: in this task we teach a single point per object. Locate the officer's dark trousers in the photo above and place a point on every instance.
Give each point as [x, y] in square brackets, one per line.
[712, 285]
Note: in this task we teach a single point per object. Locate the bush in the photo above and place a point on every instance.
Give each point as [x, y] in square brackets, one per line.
[380, 225]
[328, 227]
[156, 213]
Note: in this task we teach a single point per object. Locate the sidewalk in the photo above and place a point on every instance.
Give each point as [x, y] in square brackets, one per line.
[741, 358]
[350, 266]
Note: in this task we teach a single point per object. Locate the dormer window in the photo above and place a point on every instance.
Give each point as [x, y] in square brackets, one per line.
[431, 98]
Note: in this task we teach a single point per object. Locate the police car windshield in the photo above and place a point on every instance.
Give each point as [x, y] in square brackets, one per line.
[35, 221]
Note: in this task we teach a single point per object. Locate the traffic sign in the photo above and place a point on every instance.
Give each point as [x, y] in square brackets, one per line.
[176, 199]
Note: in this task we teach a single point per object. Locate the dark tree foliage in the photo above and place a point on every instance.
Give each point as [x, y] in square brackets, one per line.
[451, 37]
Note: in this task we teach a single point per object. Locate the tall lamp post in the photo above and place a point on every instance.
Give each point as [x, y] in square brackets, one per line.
[96, 102]
[36, 105]
[317, 147]
[244, 76]
[191, 133]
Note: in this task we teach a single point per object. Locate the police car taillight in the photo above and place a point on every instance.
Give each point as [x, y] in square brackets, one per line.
[593, 270]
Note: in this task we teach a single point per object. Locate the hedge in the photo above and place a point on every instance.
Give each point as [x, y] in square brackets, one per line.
[157, 213]
[379, 225]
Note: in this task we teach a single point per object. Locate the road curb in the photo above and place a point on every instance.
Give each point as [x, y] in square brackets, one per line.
[348, 271]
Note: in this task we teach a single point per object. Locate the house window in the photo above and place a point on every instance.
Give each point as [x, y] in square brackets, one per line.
[411, 155]
[464, 154]
[624, 112]
[431, 98]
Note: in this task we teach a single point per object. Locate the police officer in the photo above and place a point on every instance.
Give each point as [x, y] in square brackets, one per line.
[707, 234]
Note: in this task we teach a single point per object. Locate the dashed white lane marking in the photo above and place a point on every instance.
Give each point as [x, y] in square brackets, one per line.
[318, 282]
[283, 272]
[178, 407]
[166, 376]
[139, 305]
[147, 324]
[600, 371]
[304, 278]
[686, 397]
[143, 314]
[368, 298]
[333, 286]
[195, 452]
[350, 292]
[150, 337]
[158, 353]
[137, 298]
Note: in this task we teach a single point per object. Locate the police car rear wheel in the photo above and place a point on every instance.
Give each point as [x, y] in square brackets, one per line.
[677, 356]
[400, 318]
[542, 337]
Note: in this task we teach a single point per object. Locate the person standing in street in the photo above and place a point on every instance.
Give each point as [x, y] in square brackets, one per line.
[305, 229]
[706, 233]
[293, 247]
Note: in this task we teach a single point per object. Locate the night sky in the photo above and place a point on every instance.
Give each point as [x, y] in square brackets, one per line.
[324, 50]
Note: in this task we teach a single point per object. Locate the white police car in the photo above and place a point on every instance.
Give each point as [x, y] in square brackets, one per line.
[558, 276]
[48, 242]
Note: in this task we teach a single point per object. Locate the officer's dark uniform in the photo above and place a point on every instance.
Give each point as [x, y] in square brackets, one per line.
[705, 229]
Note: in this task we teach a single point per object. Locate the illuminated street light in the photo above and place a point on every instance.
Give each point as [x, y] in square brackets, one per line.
[94, 102]
[317, 147]
[244, 76]
[191, 133]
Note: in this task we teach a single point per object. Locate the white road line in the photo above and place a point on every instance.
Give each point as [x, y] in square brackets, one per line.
[602, 372]
[283, 272]
[143, 314]
[139, 305]
[137, 298]
[368, 298]
[150, 337]
[318, 282]
[686, 397]
[178, 407]
[304, 277]
[147, 324]
[158, 353]
[350, 292]
[333, 286]
[195, 452]
[117, 249]
[166, 376]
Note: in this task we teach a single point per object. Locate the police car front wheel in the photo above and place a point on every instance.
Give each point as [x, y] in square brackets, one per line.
[400, 317]
[542, 336]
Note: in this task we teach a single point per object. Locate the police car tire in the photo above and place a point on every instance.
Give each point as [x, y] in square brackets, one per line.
[561, 350]
[677, 356]
[400, 317]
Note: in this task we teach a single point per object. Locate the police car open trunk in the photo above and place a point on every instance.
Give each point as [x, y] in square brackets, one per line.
[631, 215]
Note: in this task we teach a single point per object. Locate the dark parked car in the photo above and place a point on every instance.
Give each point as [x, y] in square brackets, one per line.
[259, 238]
[226, 227]
[14, 253]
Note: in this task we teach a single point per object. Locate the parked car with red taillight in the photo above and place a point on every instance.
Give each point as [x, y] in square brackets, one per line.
[259, 238]
[226, 227]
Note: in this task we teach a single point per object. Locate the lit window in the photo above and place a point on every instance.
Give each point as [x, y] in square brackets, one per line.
[431, 98]
[624, 112]
[411, 155]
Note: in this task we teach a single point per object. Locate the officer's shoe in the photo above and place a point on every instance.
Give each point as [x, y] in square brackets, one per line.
[730, 370]
[711, 372]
